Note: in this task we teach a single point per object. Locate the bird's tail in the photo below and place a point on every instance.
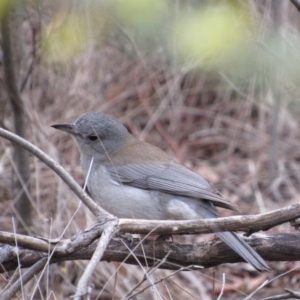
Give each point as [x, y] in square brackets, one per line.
[244, 250]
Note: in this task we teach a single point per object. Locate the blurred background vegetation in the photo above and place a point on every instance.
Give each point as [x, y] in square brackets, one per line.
[214, 83]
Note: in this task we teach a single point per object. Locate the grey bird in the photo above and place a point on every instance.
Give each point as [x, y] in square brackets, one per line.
[132, 179]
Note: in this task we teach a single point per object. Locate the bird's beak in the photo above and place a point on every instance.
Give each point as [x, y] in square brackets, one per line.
[70, 128]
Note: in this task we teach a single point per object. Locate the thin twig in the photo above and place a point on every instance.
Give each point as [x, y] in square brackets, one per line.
[124, 260]
[269, 281]
[109, 220]
[36, 268]
[146, 274]
[106, 236]
[59, 170]
[290, 295]
[160, 280]
[21, 284]
[149, 272]
[223, 285]
[297, 4]
[293, 293]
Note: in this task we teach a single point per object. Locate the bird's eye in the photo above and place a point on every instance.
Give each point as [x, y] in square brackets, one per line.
[93, 138]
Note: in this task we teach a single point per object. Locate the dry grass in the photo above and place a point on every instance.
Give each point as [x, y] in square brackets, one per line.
[221, 131]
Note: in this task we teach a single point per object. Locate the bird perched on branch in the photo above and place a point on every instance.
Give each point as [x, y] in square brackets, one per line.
[132, 179]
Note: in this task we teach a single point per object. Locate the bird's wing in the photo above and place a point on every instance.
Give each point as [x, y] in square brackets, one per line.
[171, 178]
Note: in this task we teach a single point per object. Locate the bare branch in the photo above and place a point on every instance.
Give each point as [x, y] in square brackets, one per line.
[108, 221]
[146, 277]
[59, 170]
[36, 268]
[297, 4]
[106, 236]
[24, 241]
[290, 295]
[275, 247]
[158, 281]
[248, 223]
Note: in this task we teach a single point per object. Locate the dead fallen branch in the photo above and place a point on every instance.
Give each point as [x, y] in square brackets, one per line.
[273, 247]
[248, 223]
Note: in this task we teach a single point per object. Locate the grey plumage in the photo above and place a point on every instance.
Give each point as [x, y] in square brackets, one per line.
[133, 179]
[170, 178]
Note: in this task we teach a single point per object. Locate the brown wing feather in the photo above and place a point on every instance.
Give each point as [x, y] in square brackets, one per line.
[161, 174]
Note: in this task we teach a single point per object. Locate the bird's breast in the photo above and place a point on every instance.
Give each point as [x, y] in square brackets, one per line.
[122, 200]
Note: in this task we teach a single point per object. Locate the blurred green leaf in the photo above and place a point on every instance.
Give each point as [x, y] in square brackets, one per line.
[65, 37]
[145, 14]
[5, 6]
[211, 35]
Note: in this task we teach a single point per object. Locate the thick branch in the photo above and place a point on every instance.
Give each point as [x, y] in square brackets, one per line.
[249, 223]
[276, 247]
